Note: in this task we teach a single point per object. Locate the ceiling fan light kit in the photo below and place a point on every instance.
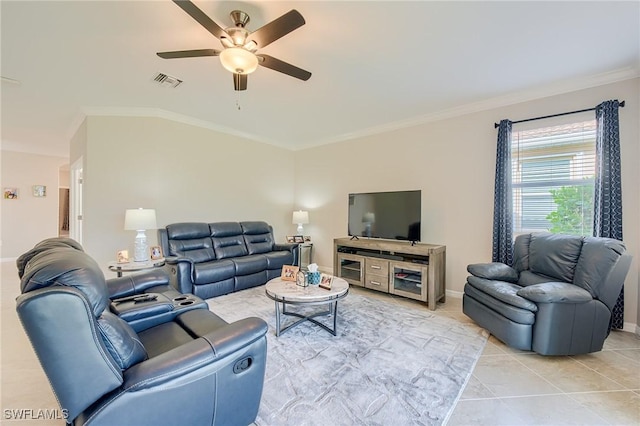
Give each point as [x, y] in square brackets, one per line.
[238, 55]
[238, 60]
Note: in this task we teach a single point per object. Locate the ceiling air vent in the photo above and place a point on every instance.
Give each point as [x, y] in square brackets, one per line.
[165, 80]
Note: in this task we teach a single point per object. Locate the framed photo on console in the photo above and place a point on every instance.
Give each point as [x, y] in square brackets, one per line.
[289, 272]
[155, 252]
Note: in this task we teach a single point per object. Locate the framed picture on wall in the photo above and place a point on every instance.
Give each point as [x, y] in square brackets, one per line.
[11, 193]
[39, 190]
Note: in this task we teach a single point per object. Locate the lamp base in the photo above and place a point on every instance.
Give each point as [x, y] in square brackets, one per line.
[141, 249]
[300, 229]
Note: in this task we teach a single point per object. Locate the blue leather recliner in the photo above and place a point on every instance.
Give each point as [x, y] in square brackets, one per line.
[181, 365]
[557, 297]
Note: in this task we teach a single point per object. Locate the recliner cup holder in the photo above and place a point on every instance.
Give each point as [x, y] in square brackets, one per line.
[186, 302]
[180, 298]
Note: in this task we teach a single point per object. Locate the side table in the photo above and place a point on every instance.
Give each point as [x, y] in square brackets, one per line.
[119, 268]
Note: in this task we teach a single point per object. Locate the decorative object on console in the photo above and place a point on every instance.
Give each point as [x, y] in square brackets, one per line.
[289, 272]
[140, 220]
[300, 217]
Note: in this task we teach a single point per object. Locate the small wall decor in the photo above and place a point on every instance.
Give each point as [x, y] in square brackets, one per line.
[289, 272]
[39, 190]
[11, 193]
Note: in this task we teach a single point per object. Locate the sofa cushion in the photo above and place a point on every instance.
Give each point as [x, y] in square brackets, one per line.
[555, 292]
[227, 240]
[250, 264]
[554, 255]
[258, 237]
[502, 291]
[196, 249]
[121, 341]
[513, 313]
[277, 259]
[187, 231]
[597, 259]
[213, 271]
[521, 252]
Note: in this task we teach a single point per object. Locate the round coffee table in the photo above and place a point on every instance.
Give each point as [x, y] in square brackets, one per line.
[289, 293]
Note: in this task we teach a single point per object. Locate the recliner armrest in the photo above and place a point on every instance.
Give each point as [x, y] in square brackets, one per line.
[136, 283]
[191, 356]
[493, 271]
[555, 292]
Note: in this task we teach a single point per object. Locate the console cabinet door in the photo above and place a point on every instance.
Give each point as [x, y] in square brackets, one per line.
[351, 268]
[408, 280]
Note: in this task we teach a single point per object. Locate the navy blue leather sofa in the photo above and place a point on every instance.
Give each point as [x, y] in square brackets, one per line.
[212, 259]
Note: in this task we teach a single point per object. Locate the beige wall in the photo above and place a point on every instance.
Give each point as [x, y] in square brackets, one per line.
[28, 219]
[453, 162]
[186, 173]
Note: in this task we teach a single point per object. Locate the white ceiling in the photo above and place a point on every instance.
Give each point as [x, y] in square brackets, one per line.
[376, 65]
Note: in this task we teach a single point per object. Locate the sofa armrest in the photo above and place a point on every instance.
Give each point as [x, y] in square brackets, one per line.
[555, 292]
[136, 283]
[181, 272]
[286, 247]
[194, 355]
[493, 271]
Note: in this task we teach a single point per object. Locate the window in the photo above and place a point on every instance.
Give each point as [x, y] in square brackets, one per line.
[553, 178]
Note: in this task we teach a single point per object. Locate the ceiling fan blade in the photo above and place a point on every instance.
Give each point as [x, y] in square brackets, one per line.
[283, 67]
[277, 28]
[193, 11]
[240, 82]
[188, 53]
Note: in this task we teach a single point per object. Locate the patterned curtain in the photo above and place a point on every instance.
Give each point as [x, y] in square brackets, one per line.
[607, 221]
[503, 198]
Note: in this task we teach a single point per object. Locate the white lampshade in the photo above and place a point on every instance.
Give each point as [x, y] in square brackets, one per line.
[300, 217]
[140, 219]
[238, 60]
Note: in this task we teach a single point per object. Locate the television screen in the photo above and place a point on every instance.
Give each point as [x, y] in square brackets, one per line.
[392, 215]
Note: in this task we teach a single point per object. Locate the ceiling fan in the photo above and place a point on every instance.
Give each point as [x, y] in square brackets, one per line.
[240, 46]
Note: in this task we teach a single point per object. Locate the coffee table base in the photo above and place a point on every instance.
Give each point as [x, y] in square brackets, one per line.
[333, 310]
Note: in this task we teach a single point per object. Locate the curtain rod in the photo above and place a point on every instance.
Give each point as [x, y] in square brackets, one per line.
[496, 125]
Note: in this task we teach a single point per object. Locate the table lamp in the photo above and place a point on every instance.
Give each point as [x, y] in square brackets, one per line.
[301, 218]
[140, 220]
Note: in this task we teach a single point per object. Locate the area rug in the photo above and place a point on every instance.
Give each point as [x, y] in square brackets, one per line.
[390, 364]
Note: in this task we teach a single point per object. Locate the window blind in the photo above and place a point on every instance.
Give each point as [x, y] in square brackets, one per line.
[553, 171]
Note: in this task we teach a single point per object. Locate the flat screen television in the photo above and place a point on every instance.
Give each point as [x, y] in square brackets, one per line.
[391, 215]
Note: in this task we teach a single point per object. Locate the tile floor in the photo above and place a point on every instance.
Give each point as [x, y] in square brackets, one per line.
[508, 387]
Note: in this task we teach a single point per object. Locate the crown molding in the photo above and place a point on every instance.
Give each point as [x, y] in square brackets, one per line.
[557, 88]
[167, 115]
[553, 89]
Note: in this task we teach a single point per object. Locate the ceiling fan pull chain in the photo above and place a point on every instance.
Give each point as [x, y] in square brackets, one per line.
[238, 100]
